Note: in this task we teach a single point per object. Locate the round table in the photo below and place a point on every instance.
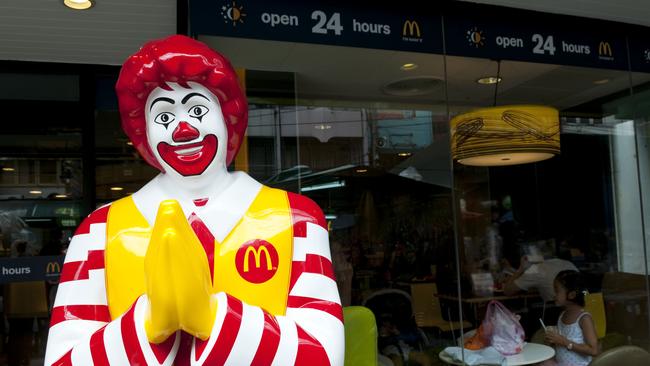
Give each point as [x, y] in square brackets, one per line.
[532, 353]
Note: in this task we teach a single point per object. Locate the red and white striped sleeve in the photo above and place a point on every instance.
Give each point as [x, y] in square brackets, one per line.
[81, 329]
[311, 332]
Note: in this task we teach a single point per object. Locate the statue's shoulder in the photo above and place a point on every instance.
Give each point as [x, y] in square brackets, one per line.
[304, 209]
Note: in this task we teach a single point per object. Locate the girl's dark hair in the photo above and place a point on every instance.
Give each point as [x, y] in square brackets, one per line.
[573, 281]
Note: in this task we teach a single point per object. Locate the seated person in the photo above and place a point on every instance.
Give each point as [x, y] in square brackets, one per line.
[574, 337]
[537, 276]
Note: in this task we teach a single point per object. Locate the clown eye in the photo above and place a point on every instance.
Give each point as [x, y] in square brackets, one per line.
[164, 118]
[198, 111]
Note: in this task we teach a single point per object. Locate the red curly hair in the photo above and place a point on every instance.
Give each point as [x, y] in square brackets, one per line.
[178, 59]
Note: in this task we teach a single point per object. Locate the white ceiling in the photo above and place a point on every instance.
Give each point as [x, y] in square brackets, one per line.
[46, 30]
[625, 11]
[353, 74]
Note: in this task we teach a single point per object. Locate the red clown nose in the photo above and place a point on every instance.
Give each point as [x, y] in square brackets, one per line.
[184, 132]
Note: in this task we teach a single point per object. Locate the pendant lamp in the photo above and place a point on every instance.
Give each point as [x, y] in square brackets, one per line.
[505, 135]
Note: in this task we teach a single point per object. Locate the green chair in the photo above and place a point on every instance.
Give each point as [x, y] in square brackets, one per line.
[360, 336]
[624, 355]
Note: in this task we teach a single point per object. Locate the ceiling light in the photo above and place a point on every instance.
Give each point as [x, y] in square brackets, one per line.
[506, 135]
[61, 196]
[323, 127]
[362, 170]
[116, 188]
[78, 4]
[8, 169]
[35, 192]
[601, 81]
[404, 154]
[409, 66]
[129, 143]
[489, 80]
[330, 217]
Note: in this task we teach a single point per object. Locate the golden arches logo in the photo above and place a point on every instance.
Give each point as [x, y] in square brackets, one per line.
[257, 255]
[413, 28]
[261, 249]
[605, 49]
[53, 267]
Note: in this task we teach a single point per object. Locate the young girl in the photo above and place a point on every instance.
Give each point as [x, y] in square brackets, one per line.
[575, 339]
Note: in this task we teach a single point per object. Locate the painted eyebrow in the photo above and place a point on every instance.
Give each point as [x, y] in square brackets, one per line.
[190, 95]
[161, 99]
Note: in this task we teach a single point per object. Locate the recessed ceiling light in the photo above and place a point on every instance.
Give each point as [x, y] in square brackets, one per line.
[489, 80]
[404, 154]
[362, 170]
[61, 196]
[116, 188]
[601, 81]
[35, 192]
[78, 4]
[7, 169]
[409, 66]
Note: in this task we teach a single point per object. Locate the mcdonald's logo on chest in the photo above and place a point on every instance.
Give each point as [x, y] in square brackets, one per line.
[257, 261]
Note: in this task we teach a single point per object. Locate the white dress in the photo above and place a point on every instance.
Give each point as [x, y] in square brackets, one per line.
[573, 333]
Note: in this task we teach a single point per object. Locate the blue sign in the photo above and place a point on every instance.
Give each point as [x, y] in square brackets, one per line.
[515, 35]
[471, 30]
[639, 53]
[345, 24]
[40, 268]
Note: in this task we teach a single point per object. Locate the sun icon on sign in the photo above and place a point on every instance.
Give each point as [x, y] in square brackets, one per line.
[233, 13]
[475, 37]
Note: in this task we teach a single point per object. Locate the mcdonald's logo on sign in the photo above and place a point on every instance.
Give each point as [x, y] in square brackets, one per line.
[53, 269]
[411, 31]
[605, 51]
[257, 261]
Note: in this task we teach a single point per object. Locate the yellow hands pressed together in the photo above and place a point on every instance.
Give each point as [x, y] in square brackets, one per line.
[177, 276]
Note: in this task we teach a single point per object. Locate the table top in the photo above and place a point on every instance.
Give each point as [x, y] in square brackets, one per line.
[532, 353]
[482, 299]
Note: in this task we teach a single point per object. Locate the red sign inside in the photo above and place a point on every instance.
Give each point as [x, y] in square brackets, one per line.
[257, 261]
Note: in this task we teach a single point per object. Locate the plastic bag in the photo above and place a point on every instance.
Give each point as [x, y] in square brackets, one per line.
[503, 330]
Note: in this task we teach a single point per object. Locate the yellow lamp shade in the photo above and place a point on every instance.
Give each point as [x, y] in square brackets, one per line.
[505, 135]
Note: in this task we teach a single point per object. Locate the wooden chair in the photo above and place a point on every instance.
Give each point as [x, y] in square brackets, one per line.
[427, 311]
[624, 355]
[360, 336]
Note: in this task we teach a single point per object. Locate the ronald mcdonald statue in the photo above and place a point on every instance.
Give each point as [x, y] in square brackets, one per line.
[201, 266]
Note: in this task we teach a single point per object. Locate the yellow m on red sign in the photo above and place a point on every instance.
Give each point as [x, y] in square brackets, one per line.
[257, 255]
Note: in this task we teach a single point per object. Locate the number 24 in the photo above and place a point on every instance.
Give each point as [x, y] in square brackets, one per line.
[542, 46]
[334, 23]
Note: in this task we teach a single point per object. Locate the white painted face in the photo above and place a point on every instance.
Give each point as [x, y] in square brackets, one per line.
[185, 129]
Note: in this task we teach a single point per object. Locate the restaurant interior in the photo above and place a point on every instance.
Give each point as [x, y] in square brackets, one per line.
[421, 239]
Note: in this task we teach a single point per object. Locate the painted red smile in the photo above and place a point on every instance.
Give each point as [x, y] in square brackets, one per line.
[190, 159]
